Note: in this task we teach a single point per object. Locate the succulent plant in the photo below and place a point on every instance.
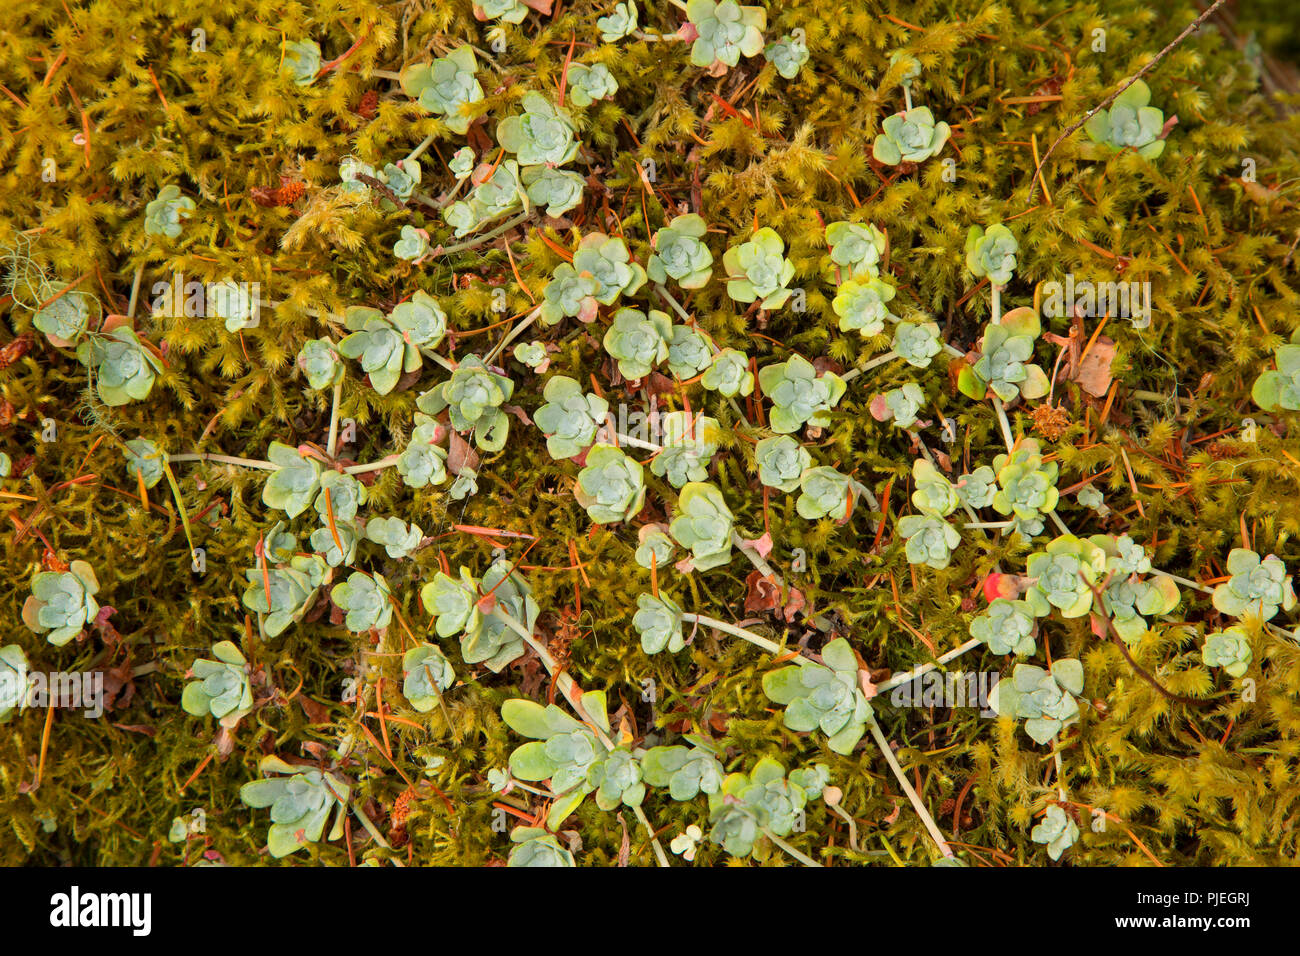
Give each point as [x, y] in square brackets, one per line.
[452, 602]
[146, 460]
[1003, 365]
[917, 342]
[903, 404]
[1275, 390]
[587, 84]
[910, 72]
[1007, 627]
[611, 486]
[487, 639]
[473, 397]
[300, 804]
[703, 523]
[1062, 576]
[725, 31]
[758, 270]
[911, 137]
[222, 688]
[992, 254]
[399, 179]
[511, 11]
[535, 847]
[799, 395]
[337, 544]
[680, 252]
[446, 87]
[462, 163]
[367, 599]
[1129, 123]
[569, 293]
[826, 493]
[465, 485]
[425, 675]
[345, 496]
[688, 352]
[563, 749]
[930, 539]
[1057, 830]
[863, 306]
[1257, 585]
[729, 374]
[557, 189]
[654, 547]
[978, 488]
[1044, 698]
[607, 260]
[412, 245]
[658, 621]
[421, 320]
[1127, 599]
[616, 778]
[1026, 485]
[163, 215]
[787, 54]
[829, 697]
[13, 681]
[1125, 557]
[639, 342]
[301, 61]
[422, 463]
[543, 134]
[64, 319]
[320, 363]
[399, 539]
[494, 197]
[124, 368]
[781, 461]
[62, 603]
[686, 772]
[291, 589]
[689, 444]
[856, 248]
[233, 303]
[380, 346]
[621, 23]
[569, 418]
[748, 805]
[1091, 498]
[1229, 649]
[532, 354]
[934, 493]
[6, 464]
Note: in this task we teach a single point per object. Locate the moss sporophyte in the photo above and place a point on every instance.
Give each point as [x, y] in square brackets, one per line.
[592, 415]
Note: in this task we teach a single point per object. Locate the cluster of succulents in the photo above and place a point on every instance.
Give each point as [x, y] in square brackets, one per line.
[426, 673]
[912, 136]
[658, 621]
[1258, 586]
[1026, 486]
[1129, 123]
[689, 443]
[125, 368]
[930, 540]
[1044, 699]
[472, 399]
[1004, 366]
[446, 87]
[284, 594]
[703, 523]
[800, 396]
[991, 254]
[164, 215]
[638, 341]
[725, 31]
[1007, 627]
[856, 248]
[781, 462]
[398, 180]
[750, 806]
[758, 271]
[826, 697]
[486, 635]
[787, 54]
[222, 688]
[1057, 830]
[62, 603]
[680, 253]
[685, 771]
[728, 374]
[562, 748]
[301, 803]
[570, 417]
[1230, 649]
[1063, 575]
[863, 306]
[611, 486]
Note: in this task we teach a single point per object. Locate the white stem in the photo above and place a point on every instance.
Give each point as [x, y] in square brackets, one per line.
[798, 855]
[225, 460]
[513, 334]
[912, 795]
[1004, 423]
[373, 466]
[756, 640]
[907, 676]
[332, 445]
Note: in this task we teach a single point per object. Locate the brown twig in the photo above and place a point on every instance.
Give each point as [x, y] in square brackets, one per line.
[1191, 28]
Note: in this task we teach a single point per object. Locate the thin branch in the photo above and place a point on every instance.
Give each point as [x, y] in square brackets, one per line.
[1191, 28]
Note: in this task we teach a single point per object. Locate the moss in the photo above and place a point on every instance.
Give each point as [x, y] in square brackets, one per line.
[117, 97]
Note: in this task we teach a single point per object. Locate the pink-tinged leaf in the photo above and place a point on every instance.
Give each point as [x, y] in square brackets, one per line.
[762, 544]
[685, 566]
[1001, 586]
[688, 33]
[880, 409]
[869, 689]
